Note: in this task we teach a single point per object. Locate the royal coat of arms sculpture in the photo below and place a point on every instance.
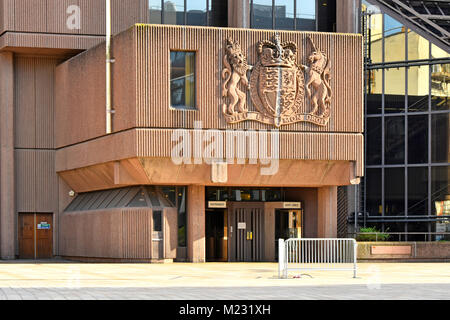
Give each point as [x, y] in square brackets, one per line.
[277, 84]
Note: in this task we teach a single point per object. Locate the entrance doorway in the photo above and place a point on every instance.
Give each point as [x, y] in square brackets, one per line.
[35, 235]
[288, 224]
[246, 231]
[216, 234]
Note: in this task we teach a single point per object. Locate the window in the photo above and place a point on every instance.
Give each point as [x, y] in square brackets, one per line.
[189, 12]
[157, 221]
[182, 80]
[290, 14]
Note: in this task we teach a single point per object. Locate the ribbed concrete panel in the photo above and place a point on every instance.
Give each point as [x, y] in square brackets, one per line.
[51, 16]
[25, 101]
[154, 44]
[49, 41]
[36, 181]
[137, 233]
[157, 143]
[91, 234]
[44, 77]
[46, 181]
[25, 171]
[30, 16]
[34, 106]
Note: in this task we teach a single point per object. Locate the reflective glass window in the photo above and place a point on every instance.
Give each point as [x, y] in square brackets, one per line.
[440, 143]
[155, 11]
[418, 139]
[373, 191]
[418, 88]
[182, 79]
[262, 14]
[418, 191]
[394, 40]
[284, 14]
[394, 90]
[174, 12]
[394, 191]
[440, 190]
[373, 136]
[196, 12]
[440, 87]
[306, 15]
[394, 140]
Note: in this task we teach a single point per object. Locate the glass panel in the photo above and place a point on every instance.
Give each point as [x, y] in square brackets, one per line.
[375, 87]
[262, 14]
[153, 197]
[306, 15]
[196, 12]
[418, 47]
[284, 14]
[138, 200]
[440, 87]
[440, 144]
[394, 40]
[157, 221]
[182, 79]
[418, 139]
[375, 32]
[154, 7]
[418, 191]
[373, 140]
[181, 205]
[440, 191]
[218, 15]
[394, 191]
[394, 90]
[170, 193]
[373, 191]
[437, 52]
[217, 194]
[418, 227]
[394, 140]
[418, 88]
[174, 12]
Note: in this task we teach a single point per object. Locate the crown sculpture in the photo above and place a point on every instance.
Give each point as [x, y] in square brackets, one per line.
[277, 84]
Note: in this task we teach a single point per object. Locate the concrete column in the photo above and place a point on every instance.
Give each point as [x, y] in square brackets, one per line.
[196, 223]
[327, 212]
[7, 198]
[239, 13]
[347, 16]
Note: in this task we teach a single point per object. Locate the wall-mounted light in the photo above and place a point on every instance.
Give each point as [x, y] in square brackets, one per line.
[71, 193]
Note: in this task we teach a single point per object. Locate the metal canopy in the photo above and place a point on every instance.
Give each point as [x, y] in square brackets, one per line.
[428, 18]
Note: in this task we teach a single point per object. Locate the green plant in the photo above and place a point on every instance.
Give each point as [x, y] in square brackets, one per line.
[371, 234]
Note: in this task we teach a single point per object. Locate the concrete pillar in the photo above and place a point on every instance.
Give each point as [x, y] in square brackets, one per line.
[347, 16]
[7, 198]
[239, 13]
[196, 223]
[327, 212]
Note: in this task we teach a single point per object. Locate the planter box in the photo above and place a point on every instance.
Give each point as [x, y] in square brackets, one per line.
[403, 250]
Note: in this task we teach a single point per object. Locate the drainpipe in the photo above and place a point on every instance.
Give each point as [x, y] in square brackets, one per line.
[109, 110]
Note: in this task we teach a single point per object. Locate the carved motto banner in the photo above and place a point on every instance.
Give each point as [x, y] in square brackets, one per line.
[277, 84]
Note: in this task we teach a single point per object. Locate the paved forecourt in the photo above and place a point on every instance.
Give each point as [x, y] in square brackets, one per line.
[58, 279]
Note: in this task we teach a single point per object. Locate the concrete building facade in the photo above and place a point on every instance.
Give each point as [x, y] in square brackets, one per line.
[224, 137]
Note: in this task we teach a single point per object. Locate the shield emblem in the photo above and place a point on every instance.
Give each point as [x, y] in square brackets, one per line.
[277, 90]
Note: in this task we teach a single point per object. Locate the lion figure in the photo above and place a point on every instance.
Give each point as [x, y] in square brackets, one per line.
[234, 72]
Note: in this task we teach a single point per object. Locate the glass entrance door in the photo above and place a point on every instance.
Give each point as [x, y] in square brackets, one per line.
[288, 224]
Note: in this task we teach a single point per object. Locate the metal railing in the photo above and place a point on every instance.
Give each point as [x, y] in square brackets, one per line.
[316, 254]
[446, 235]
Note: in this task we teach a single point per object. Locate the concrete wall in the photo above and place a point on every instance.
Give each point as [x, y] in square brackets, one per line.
[149, 105]
[115, 234]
